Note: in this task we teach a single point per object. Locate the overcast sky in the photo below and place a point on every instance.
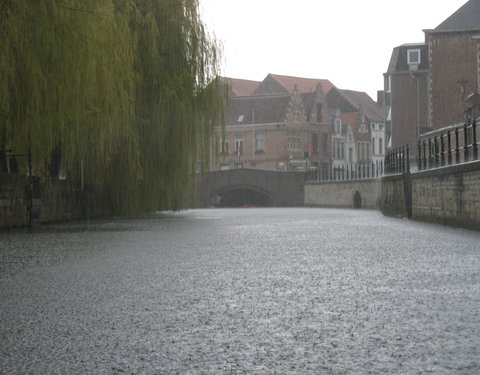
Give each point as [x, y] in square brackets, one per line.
[348, 42]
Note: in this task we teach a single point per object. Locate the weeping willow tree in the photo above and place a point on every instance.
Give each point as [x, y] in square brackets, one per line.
[123, 90]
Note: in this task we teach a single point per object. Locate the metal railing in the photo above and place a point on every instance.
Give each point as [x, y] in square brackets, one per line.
[397, 160]
[347, 172]
[455, 146]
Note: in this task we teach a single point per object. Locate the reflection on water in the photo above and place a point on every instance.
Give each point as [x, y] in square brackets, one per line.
[241, 291]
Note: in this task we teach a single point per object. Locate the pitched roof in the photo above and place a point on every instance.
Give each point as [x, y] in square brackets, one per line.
[466, 17]
[399, 59]
[303, 85]
[358, 99]
[354, 120]
[268, 109]
[240, 87]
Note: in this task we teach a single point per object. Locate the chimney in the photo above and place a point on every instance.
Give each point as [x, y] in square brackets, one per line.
[381, 98]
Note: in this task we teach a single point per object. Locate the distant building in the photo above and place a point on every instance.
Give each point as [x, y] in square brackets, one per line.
[428, 85]
[280, 84]
[454, 57]
[293, 123]
[406, 99]
[363, 122]
[239, 87]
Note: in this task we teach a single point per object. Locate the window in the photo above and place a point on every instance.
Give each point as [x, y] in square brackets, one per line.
[342, 150]
[240, 118]
[319, 112]
[224, 147]
[259, 142]
[388, 83]
[337, 126]
[293, 143]
[380, 146]
[373, 145]
[239, 144]
[314, 143]
[413, 57]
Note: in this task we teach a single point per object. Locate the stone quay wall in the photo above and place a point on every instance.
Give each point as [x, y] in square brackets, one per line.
[51, 201]
[13, 201]
[341, 194]
[447, 195]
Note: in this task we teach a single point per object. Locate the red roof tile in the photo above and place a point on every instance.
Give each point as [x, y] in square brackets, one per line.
[240, 87]
[269, 109]
[372, 110]
[303, 84]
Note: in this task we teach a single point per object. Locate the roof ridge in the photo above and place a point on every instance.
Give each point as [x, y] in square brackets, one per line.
[467, 17]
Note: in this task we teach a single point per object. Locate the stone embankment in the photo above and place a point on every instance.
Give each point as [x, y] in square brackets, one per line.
[447, 195]
[23, 202]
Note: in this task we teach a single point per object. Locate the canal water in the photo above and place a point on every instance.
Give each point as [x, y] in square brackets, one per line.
[241, 291]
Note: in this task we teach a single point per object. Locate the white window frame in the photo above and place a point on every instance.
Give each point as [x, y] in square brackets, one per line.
[239, 144]
[409, 60]
[388, 84]
[259, 142]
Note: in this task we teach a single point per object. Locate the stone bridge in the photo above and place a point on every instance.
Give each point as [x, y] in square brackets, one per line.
[250, 187]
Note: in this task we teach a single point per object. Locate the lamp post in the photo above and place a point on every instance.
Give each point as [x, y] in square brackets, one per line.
[253, 139]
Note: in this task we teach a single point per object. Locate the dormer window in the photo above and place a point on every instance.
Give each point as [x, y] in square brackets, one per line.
[413, 57]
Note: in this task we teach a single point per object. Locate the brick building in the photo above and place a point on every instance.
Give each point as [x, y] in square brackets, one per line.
[288, 123]
[454, 58]
[406, 99]
[274, 132]
[427, 85]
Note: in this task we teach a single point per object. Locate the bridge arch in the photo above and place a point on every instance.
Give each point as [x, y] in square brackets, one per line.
[239, 187]
[241, 195]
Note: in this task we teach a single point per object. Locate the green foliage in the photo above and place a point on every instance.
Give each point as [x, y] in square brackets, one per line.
[125, 88]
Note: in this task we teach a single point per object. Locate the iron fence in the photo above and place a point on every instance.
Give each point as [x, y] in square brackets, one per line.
[397, 160]
[347, 172]
[457, 145]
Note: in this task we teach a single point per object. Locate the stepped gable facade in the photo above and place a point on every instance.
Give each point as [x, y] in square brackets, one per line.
[286, 124]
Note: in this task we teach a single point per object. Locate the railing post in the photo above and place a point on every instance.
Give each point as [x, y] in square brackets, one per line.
[449, 144]
[430, 153]
[425, 164]
[401, 156]
[419, 158]
[407, 164]
[457, 147]
[474, 139]
[442, 150]
[465, 143]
